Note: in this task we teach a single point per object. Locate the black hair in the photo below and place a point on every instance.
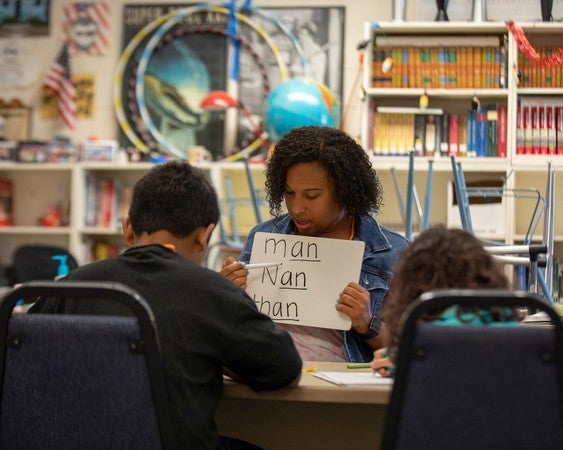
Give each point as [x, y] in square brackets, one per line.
[357, 188]
[173, 196]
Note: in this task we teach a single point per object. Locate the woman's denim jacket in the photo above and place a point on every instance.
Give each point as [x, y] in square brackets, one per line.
[383, 247]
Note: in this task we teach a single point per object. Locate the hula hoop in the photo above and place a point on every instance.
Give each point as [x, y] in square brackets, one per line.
[246, 152]
[194, 29]
[129, 52]
[152, 44]
[126, 55]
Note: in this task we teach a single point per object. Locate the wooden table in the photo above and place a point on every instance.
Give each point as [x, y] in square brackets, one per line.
[315, 414]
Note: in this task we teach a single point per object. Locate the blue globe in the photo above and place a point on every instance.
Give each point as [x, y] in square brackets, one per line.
[298, 102]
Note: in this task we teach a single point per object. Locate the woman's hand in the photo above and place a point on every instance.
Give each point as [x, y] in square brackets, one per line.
[381, 363]
[355, 303]
[234, 270]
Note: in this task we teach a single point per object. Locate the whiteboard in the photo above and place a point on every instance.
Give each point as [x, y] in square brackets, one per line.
[304, 289]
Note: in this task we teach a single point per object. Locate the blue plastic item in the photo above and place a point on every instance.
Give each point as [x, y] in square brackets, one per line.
[63, 269]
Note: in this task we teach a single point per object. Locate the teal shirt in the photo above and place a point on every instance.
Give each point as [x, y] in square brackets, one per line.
[451, 317]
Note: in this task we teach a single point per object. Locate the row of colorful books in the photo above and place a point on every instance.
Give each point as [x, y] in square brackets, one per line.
[103, 250]
[539, 126]
[107, 201]
[532, 74]
[480, 132]
[478, 62]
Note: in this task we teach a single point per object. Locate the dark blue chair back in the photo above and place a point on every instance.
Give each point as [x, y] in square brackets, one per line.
[477, 387]
[81, 381]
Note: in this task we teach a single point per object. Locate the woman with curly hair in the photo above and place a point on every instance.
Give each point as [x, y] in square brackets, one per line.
[439, 258]
[327, 184]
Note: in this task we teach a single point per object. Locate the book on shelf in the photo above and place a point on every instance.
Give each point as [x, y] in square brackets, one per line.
[471, 133]
[462, 147]
[503, 80]
[551, 138]
[481, 132]
[419, 134]
[108, 204]
[91, 207]
[492, 129]
[502, 128]
[526, 130]
[535, 129]
[444, 146]
[559, 130]
[453, 135]
[520, 135]
[524, 135]
[6, 202]
[542, 130]
[379, 77]
[431, 135]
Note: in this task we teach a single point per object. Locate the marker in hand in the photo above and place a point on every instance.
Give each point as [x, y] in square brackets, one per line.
[261, 265]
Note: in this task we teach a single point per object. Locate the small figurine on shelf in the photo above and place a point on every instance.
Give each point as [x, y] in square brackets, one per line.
[52, 218]
[546, 8]
[442, 15]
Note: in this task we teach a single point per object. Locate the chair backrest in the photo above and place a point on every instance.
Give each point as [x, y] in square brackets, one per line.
[34, 262]
[477, 387]
[82, 381]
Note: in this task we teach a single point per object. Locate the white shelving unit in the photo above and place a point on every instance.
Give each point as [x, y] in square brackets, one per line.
[37, 187]
[519, 171]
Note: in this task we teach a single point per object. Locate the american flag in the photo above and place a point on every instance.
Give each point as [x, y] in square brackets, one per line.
[59, 80]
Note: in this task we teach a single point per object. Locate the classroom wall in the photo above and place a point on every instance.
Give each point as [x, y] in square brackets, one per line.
[43, 49]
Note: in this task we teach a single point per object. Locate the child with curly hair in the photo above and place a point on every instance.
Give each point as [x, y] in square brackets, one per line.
[326, 181]
[439, 258]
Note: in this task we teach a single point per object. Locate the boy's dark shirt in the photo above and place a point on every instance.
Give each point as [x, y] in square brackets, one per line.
[204, 323]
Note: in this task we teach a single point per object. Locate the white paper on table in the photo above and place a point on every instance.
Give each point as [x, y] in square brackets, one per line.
[353, 378]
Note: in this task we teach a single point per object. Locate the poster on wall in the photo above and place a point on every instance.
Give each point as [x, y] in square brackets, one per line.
[174, 55]
[85, 86]
[33, 14]
[17, 63]
[86, 27]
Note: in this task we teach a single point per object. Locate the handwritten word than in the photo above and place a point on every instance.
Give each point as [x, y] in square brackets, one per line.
[286, 311]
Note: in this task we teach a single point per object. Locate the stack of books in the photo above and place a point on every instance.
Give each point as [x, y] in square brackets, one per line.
[539, 126]
[443, 62]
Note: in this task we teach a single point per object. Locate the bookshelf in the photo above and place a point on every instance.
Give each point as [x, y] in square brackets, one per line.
[403, 89]
[38, 187]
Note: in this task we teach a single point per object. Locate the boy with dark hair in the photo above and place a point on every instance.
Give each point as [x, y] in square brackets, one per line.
[206, 324]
